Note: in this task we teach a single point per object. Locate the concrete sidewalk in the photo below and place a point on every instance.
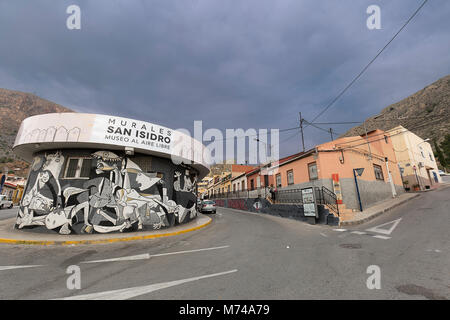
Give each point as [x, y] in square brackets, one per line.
[13, 236]
[380, 208]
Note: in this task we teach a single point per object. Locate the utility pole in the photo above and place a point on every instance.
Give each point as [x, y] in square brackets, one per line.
[368, 143]
[301, 129]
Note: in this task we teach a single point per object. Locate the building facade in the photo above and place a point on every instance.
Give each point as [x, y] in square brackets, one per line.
[415, 158]
[333, 165]
[97, 173]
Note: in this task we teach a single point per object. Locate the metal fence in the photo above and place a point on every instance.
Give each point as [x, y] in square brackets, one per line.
[256, 193]
[322, 194]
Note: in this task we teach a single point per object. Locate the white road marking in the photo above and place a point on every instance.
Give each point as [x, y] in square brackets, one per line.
[359, 232]
[323, 234]
[17, 267]
[340, 230]
[188, 251]
[377, 229]
[382, 237]
[129, 258]
[148, 256]
[129, 293]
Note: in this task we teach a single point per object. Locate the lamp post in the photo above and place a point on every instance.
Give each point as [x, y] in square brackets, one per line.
[260, 168]
[359, 172]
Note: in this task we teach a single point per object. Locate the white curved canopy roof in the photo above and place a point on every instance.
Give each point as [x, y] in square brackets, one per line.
[95, 131]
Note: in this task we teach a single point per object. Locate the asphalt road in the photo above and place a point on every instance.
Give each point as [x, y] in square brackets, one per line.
[8, 213]
[251, 256]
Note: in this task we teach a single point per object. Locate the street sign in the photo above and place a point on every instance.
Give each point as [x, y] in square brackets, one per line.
[359, 171]
[309, 203]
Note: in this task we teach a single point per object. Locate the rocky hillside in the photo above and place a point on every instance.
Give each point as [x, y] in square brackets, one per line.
[14, 107]
[426, 113]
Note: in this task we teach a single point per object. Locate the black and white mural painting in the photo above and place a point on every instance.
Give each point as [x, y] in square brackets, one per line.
[74, 191]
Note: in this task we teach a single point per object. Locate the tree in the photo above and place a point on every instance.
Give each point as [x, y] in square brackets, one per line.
[445, 146]
[439, 155]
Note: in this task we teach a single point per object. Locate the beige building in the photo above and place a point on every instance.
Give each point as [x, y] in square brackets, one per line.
[415, 159]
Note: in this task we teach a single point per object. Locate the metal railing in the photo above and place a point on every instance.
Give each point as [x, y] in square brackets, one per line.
[328, 198]
[323, 196]
[255, 193]
[288, 196]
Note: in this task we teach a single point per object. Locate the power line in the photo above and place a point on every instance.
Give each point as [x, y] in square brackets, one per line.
[383, 119]
[384, 134]
[255, 135]
[368, 65]
[315, 126]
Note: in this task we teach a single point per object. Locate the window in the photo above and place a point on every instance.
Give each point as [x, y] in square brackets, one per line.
[145, 163]
[431, 157]
[312, 171]
[290, 177]
[243, 185]
[378, 172]
[78, 168]
[252, 184]
[278, 177]
[386, 139]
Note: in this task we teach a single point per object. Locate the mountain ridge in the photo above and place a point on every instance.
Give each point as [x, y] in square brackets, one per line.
[15, 106]
[425, 113]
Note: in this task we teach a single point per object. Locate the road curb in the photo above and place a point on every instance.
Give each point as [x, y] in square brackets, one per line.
[103, 241]
[378, 213]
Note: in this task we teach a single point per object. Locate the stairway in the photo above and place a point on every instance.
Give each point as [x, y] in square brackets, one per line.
[345, 213]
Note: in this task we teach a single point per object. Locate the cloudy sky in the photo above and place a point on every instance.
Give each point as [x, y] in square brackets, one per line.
[231, 63]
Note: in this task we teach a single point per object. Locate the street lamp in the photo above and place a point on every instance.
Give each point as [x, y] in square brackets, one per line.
[359, 172]
[265, 148]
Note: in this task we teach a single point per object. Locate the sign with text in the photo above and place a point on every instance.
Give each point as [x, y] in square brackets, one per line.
[309, 202]
[132, 133]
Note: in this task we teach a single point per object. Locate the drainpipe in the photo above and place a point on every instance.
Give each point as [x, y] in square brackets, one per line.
[394, 193]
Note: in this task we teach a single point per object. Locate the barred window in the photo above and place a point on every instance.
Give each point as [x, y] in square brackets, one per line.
[312, 171]
[145, 163]
[378, 172]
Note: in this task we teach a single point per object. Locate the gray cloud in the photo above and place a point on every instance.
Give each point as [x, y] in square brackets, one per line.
[230, 63]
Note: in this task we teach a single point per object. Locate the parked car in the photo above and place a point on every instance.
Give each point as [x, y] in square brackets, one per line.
[4, 202]
[442, 173]
[208, 206]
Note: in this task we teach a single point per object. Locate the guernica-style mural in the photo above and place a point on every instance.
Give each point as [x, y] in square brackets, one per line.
[103, 192]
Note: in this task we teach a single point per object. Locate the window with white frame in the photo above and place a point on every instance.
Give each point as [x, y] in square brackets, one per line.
[290, 177]
[278, 177]
[79, 167]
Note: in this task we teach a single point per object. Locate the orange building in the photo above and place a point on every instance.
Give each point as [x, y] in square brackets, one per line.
[333, 165]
